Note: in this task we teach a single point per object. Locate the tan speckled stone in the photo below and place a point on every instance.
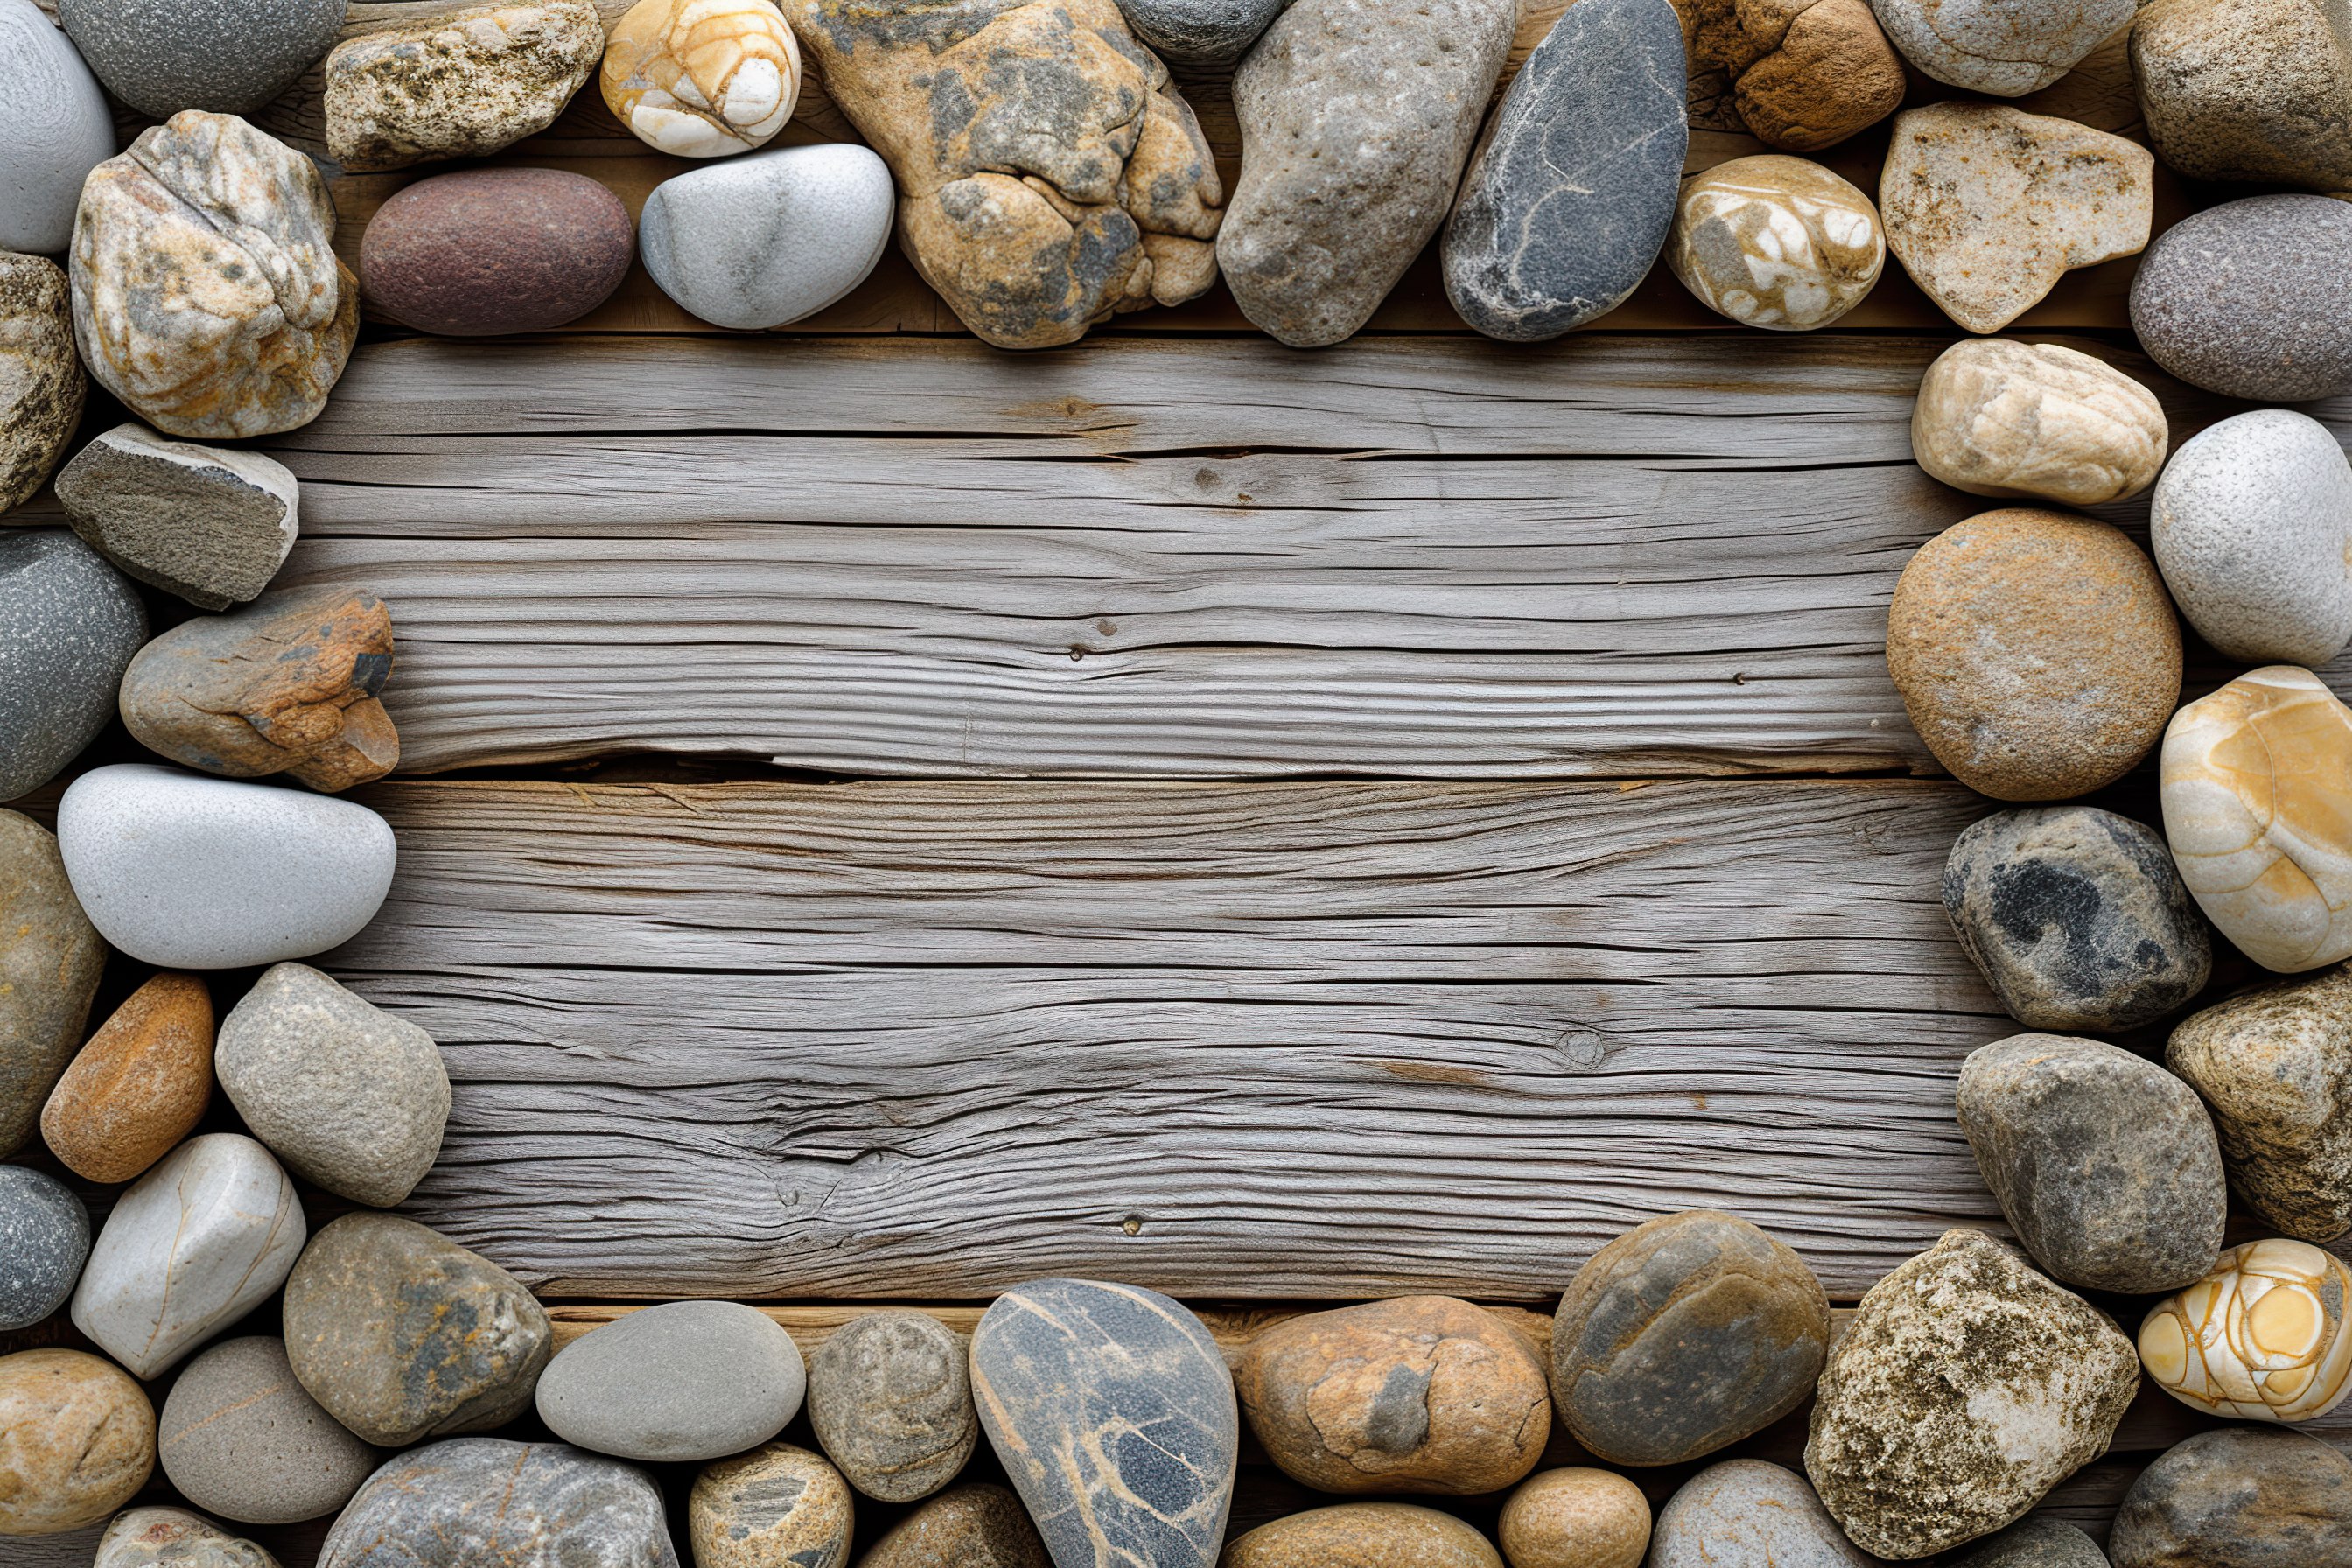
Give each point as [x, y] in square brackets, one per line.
[49, 969]
[139, 1087]
[77, 1441]
[777, 1504]
[41, 382]
[2274, 1066]
[465, 84]
[1806, 74]
[1997, 417]
[1363, 1535]
[1576, 1518]
[965, 1527]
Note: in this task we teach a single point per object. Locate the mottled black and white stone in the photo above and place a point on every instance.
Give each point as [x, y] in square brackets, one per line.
[69, 624]
[2252, 299]
[1114, 1414]
[2037, 1544]
[1201, 32]
[2076, 917]
[227, 56]
[2241, 1497]
[1569, 201]
[44, 1242]
[476, 1502]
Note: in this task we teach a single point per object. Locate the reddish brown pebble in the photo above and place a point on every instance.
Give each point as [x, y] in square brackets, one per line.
[139, 1087]
[485, 251]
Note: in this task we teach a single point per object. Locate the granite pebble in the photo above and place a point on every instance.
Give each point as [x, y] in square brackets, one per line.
[1363, 1535]
[77, 1441]
[1201, 32]
[682, 1381]
[779, 1505]
[42, 386]
[475, 1502]
[1999, 417]
[766, 240]
[2004, 47]
[230, 57]
[139, 1087]
[2037, 1542]
[174, 1538]
[1750, 1513]
[60, 129]
[69, 628]
[211, 525]
[2257, 91]
[239, 1438]
[2238, 1497]
[44, 1241]
[459, 84]
[2252, 299]
[965, 1527]
[49, 969]
[1579, 1517]
[2274, 1064]
[1776, 242]
[2266, 1335]
[889, 1398]
[484, 252]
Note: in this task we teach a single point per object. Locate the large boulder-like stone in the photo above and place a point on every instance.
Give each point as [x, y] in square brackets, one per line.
[2264, 1337]
[1575, 1518]
[229, 57]
[777, 1505]
[41, 382]
[69, 628]
[889, 1396]
[2258, 92]
[477, 1502]
[2238, 1497]
[1805, 74]
[1776, 242]
[483, 252]
[174, 1538]
[1749, 1514]
[240, 1439]
[702, 78]
[59, 130]
[211, 525]
[1363, 1535]
[2274, 1066]
[1998, 417]
[44, 1241]
[2252, 299]
[460, 84]
[49, 969]
[759, 242]
[969, 1527]
[77, 1441]
[2005, 48]
[682, 1381]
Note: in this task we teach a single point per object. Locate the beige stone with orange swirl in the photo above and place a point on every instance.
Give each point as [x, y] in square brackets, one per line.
[2262, 1337]
[702, 78]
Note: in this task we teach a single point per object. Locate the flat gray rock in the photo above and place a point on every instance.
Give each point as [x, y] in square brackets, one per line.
[2241, 1497]
[227, 56]
[476, 1501]
[683, 1381]
[238, 1437]
[770, 238]
[44, 1240]
[2037, 1544]
[1201, 32]
[208, 524]
[889, 1395]
[69, 628]
[2252, 299]
[1747, 1513]
[1570, 198]
[59, 131]
[49, 974]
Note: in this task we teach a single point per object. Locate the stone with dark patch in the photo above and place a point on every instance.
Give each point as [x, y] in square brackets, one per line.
[2037, 1542]
[231, 57]
[174, 1538]
[2241, 1497]
[1201, 32]
[486, 1502]
[967, 1526]
[44, 1241]
[777, 1506]
[69, 624]
[2252, 299]
[889, 1395]
[488, 251]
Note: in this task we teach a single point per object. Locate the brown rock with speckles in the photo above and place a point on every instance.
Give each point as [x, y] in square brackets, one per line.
[464, 84]
[76, 1440]
[139, 1087]
[41, 382]
[1806, 74]
[1363, 1535]
[1575, 1518]
[969, 1527]
[778, 1504]
[2274, 1066]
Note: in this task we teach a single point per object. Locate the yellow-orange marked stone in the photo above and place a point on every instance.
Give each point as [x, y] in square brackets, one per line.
[2262, 1337]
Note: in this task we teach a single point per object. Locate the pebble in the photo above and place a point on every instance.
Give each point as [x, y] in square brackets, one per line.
[2037, 1542]
[200, 873]
[49, 969]
[2252, 299]
[1575, 1518]
[1805, 74]
[969, 1527]
[2238, 1497]
[2003, 630]
[1363, 1535]
[1988, 207]
[2076, 918]
[69, 625]
[1421, 1393]
[462, 84]
[402, 1335]
[211, 525]
[2274, 1064]
[41, 383]
[1356, 123]
[174, 1538]
[196, 1244]
[2105, 1164]
[1201, 32]
[203, 332]
[238, 1437]
[44, 1240]
[2253, 91]
[769, 239]
[489, 251]
[353, 1098]
[288, 684]
[2004, 47]
[1966, 1386]
[1997, 417]
[1057, 1362]
[2253, 810]
[780, 1505]
[229, 57]
[139, 1087]
[1571, 194]
[2251, 527]
[479, 1501]
[704, 78]
[81, 1441]
[687, 1379]
[889, 1396]
[59, 130]
[2261, 1337]
[1776, 242]
[1746, 1513]
[1686, 1333]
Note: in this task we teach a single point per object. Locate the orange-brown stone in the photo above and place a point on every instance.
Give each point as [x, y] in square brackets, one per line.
[139, 1087]
[76, 1440]
[1363, 1535]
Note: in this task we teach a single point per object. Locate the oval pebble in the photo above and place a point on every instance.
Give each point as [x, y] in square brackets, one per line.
[2252, 299]
[764, 240]
[59, 131]
[44, 1241]
[239, 1438]
[486, 251]
[889, 1395]
[686, 1380]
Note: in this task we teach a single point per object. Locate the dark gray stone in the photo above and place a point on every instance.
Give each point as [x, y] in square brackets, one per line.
[479, 1501]
[1570, 198]
[1114, 1413]
[1201, 32]
[2252, 299]
[69, 626]
[2241, 1497]
[227, 56]
[2106, 1165]
[2076, 918]
[44, 1242]
[890, 1398]
[2037, 1544]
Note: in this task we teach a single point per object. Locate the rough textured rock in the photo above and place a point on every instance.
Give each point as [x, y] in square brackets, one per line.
[1746, 1513]
[79, 1441]
[702, 78]
[1571, 193]
[889, 1396]
[206, 294]
[2251, 91]
[402, 1334]
[1988, 206]
[1805, 74]
[2274, 1066]
[1037, 204]
[1575, 1518]
[139, 1087]
[1422, 1394]
[2037, 1542]
[489, 251]
[464, 84]
[2036, 652]
[763, 241]
[2005, 48]
[59, 130]
[2076, 918]
[969, 1527]
[2253, 792]
[686, 1380]
[1356, 121]
[778, 1505]
[287, 684]
[2261, 1338]
[479, 1501]
[1997, 417]
[69, 625]
[48, 972]
[44, 1240]
[2251, 527]
[1201, 32]
[240, 1439]
[1687, 1333]
[194, 1245]
[174, 1538]
[2252, 299]
[230, 57]
[2238, 1497]
[41, 382]
[211, 525]
[1113, 1413]
[1363, 1535]
[1776, 242]
[351, 1097]
[198, 873]
[1966, 1387]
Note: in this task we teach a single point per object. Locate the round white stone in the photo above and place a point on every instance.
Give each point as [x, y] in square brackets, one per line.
[57, 131]
[188, 873]
[767, 239]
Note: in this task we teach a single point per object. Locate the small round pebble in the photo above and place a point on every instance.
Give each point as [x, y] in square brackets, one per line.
[486, 251]
[44, 1242]
[687, 1379]
[487, 1502]
[1576, 1518]
[2036, 1542]
[231, 57]
[1747, 1513]
[1998, 417]
[889, 1395]
[703, 78]
[967, 1526]
[779, 1505]
[1363, 1535]
[2252, 299]
[1776, 242]
[70, 625]
[77, 1441]
[174, 1538]
[240, 1439]
[764, 240]
[139, 1087]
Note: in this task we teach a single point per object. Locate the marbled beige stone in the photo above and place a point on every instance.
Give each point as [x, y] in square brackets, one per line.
[1988, 206]
[461, 84]
[2257, 791]
[1997, 417]
[77, 1441]
[702, 78]
[2261, 1338]
[206, 294]
[777, 1504]
[41, 384]
[1777, 242]
[2274, 1066]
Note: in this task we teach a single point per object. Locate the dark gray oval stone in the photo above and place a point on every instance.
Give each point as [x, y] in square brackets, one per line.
[476, 1503]
[1114, 1413]
[1201, 32]
[1569, 198]
[2252, 299]
[69, 624]
[2076, 917]
[2241, 1497]
[890, 1398]
[44, 1242]
[2037, 1544]
[231, 57]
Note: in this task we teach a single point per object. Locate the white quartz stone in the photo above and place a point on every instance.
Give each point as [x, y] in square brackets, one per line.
[57, 130]
[763, 240]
